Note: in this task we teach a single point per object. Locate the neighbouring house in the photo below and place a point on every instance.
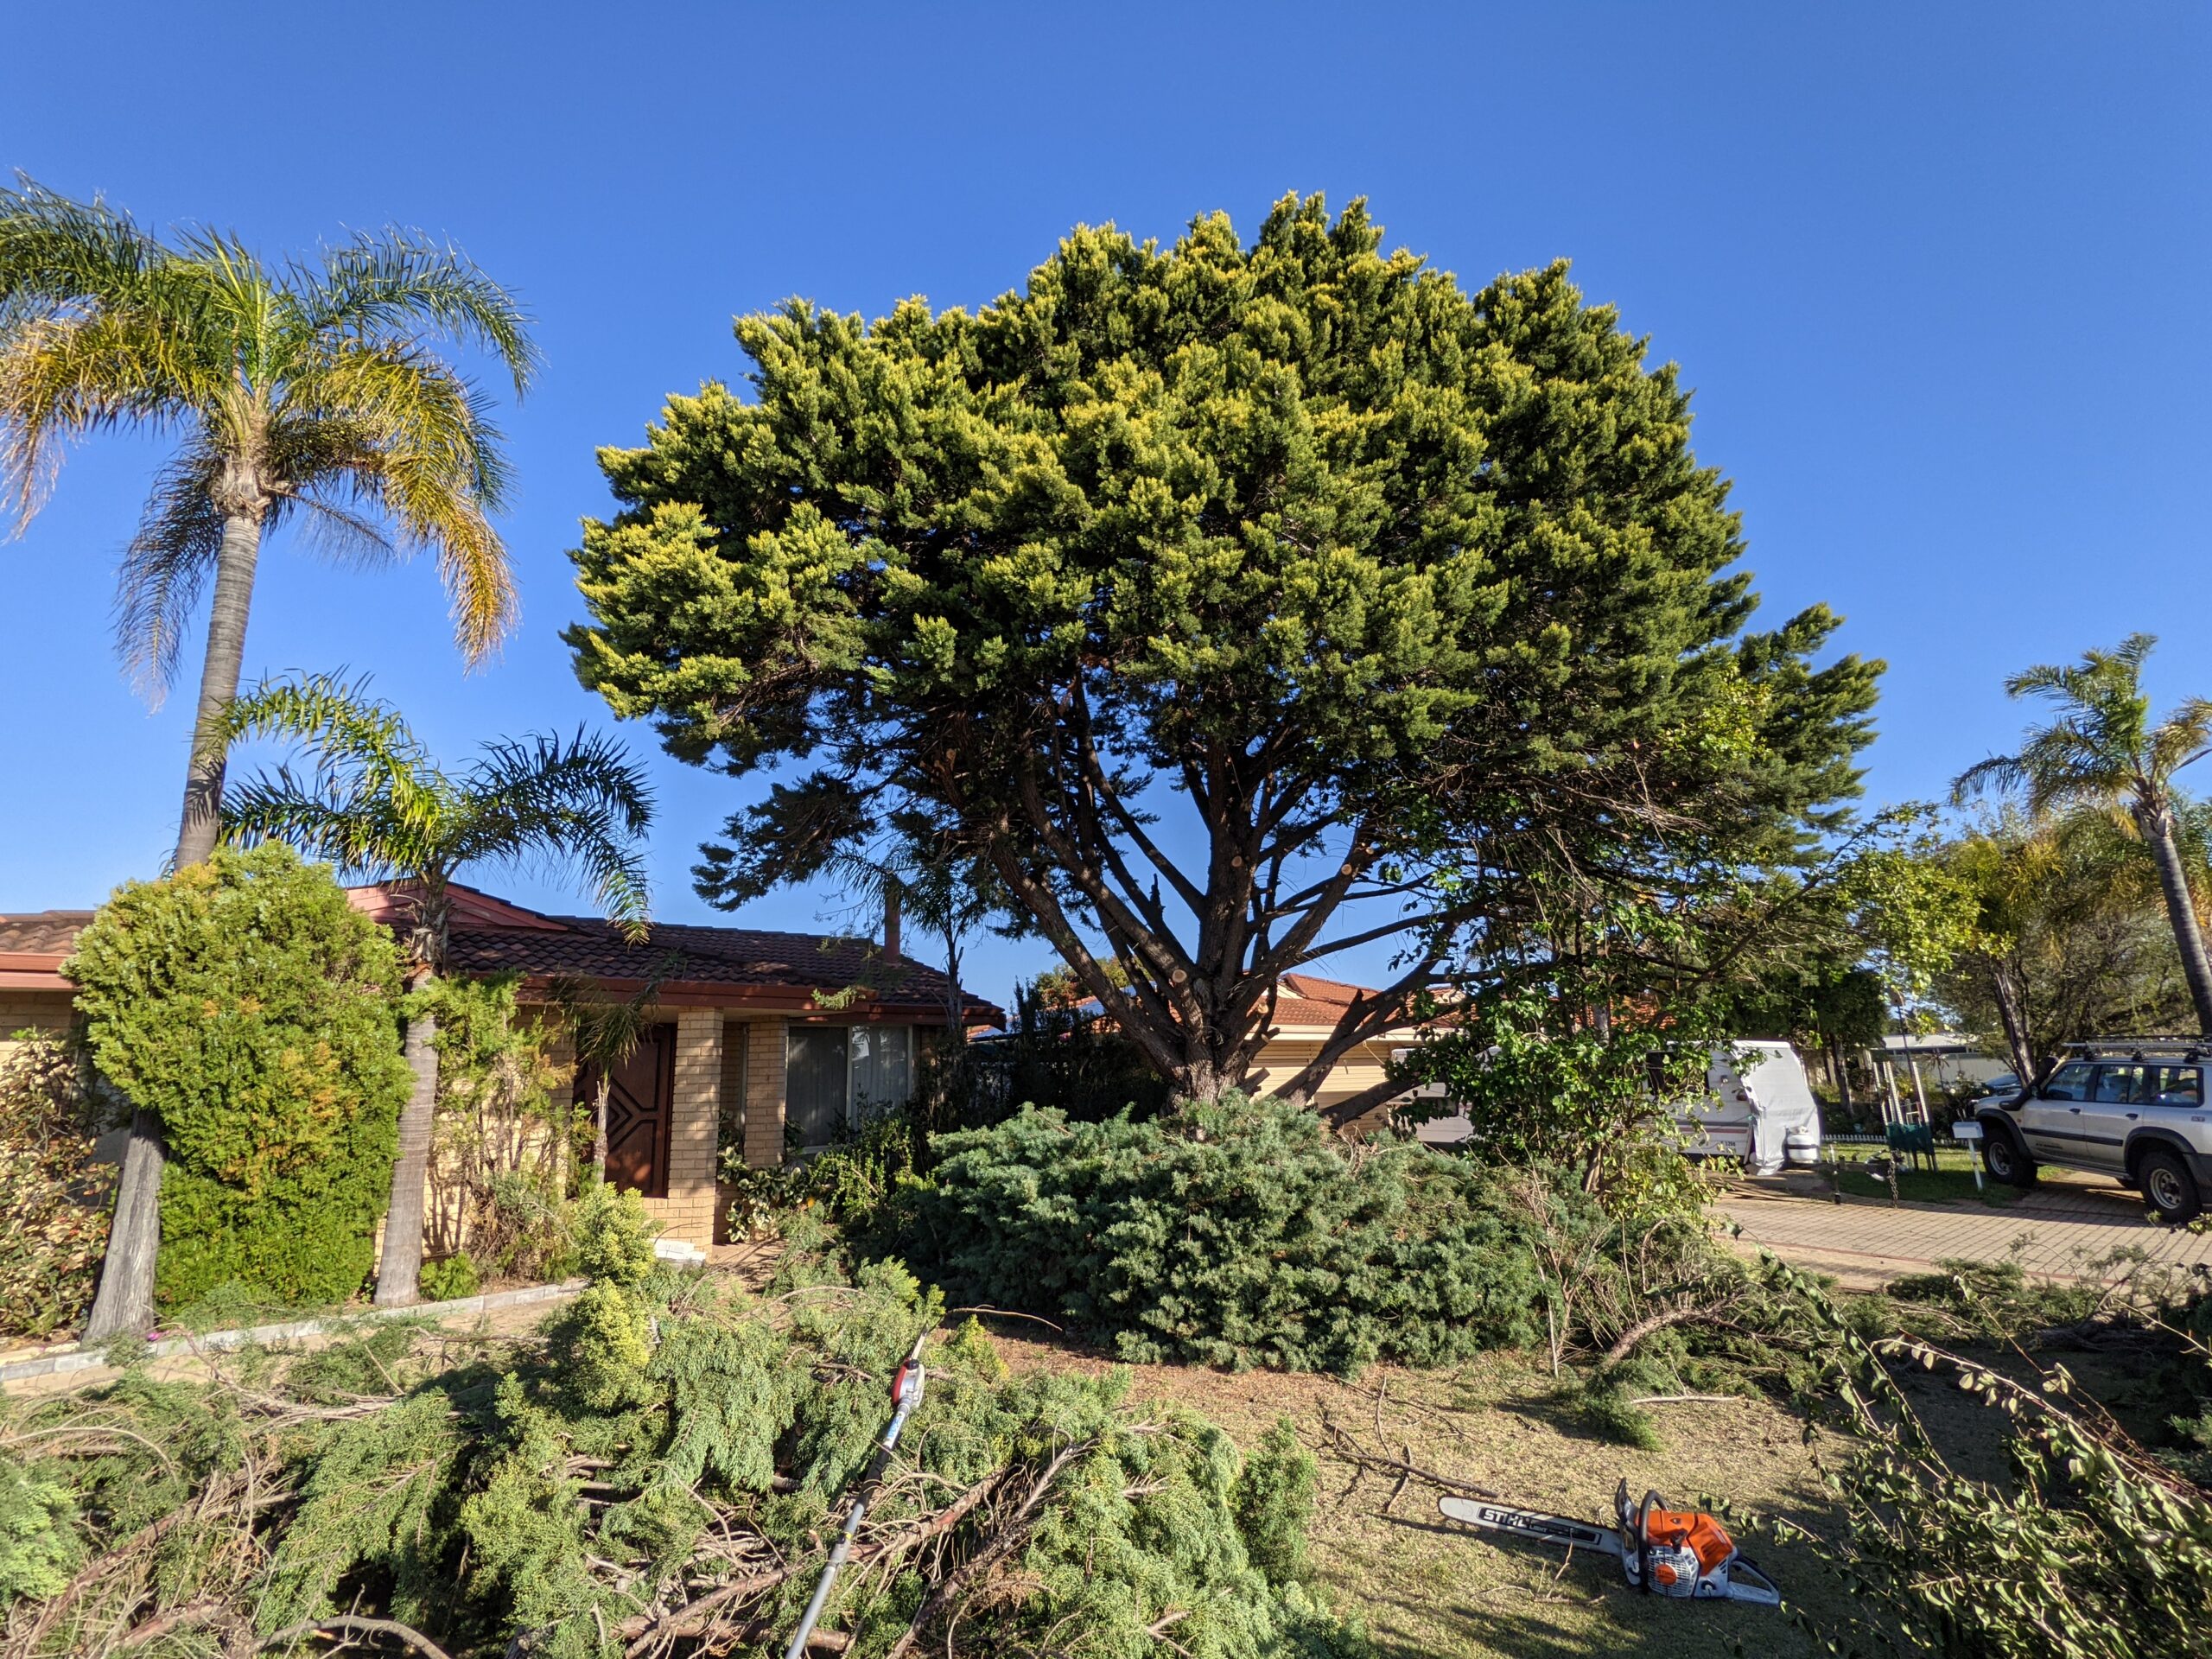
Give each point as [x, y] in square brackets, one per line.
[767, 1041]
[1307, 1010]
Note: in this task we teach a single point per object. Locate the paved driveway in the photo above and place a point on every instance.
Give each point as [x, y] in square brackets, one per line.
[2065, 1228]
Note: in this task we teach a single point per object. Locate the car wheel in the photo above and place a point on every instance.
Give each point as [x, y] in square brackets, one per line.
[2006, 1160]
[2168, 1187]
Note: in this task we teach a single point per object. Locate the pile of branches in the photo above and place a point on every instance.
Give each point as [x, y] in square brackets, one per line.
[659, 1474]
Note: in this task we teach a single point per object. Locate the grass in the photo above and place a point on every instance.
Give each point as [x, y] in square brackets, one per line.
[1950, 1182]
[1426, 1588]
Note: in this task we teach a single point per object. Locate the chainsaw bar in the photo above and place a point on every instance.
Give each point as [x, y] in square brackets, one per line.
[1532, 1523]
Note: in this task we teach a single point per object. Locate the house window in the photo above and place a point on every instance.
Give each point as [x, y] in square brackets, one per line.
[837, 1077]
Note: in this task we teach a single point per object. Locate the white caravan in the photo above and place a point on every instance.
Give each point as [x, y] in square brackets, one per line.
[1758, 1106]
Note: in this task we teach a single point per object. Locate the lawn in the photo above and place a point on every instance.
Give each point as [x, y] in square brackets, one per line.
[1950, 1181]
[1426, 1588]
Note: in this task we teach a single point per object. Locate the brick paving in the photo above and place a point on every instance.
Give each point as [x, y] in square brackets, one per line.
[2065, 1228]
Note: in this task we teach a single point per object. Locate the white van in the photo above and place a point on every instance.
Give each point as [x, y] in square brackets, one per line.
[1758, 1106]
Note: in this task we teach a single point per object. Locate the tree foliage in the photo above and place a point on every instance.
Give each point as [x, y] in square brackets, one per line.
[661, 1471]
[254, 1012]
[1207, 593]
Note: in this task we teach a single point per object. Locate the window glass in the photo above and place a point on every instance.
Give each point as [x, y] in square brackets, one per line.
[883, 1069]
[815, 1084]
[2121, 1085]
[2180, 1085]
[2068, 1081]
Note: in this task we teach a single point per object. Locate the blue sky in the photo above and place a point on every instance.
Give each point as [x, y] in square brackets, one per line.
[1937, 274]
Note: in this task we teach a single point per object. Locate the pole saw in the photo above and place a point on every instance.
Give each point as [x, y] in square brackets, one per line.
[905, 1395]
[1662, 1552]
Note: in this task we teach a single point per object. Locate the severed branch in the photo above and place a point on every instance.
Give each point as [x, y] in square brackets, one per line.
[350, 1625]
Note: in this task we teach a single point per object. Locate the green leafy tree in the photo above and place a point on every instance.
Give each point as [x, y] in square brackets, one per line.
[296, 390]
[378, 807]
[250, 1010]
[1206, 594]
[2070, 938]
[2103, 751]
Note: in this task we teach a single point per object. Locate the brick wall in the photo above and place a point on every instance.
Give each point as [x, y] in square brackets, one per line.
[764, 1093]
[34, 1011]
[688, 1211]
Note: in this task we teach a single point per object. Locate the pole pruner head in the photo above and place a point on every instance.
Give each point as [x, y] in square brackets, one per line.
[907, 1381]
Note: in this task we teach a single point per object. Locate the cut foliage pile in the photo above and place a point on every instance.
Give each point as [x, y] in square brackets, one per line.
[661, 1474]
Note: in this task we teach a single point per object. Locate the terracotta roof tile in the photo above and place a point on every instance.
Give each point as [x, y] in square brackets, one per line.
[44, 933]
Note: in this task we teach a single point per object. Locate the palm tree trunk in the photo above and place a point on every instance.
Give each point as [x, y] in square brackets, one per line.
[218, 683]
[2157, 827]
[599, 1123]
[125, 1299]
[402, 1263]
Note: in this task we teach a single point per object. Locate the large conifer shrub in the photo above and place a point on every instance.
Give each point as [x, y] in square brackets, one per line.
[1235, 1233]
[246, 1004]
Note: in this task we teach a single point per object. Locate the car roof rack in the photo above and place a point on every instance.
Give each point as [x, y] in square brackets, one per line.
[2193, 1048]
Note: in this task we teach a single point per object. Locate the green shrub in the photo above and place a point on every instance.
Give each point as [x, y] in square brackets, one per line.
[450, 1278]
[53, 1220]
[612, 1236]
[39, 1546]
[252, 1011]
[1232, 1233]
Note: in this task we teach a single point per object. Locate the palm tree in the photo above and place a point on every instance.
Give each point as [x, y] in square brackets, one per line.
[2103, 752]
[380, 809]
[298, 389]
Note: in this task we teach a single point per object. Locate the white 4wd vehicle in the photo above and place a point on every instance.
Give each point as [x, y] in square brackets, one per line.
[2133, 1109]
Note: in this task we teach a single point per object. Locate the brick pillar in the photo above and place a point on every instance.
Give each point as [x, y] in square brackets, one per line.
[763, 1094]
[688, 1212]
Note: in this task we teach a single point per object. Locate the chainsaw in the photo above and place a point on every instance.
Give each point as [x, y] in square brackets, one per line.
[1662, 1552]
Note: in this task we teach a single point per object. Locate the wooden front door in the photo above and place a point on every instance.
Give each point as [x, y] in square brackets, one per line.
[637, 1111]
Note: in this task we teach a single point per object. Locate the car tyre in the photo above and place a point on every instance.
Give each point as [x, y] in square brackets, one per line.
[2006, 1160]
[2168, 1187]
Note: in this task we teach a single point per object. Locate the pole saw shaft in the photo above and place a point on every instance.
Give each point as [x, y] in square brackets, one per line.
[905, 1395]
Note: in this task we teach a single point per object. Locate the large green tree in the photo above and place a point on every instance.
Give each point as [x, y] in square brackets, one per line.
[377, 805]
[305, 391]
[1215, 596]
[2103, 751]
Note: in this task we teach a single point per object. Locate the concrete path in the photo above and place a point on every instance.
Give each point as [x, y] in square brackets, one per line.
[2064, 1229]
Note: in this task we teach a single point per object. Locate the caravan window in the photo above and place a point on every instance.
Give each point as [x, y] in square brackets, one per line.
[837, 1077]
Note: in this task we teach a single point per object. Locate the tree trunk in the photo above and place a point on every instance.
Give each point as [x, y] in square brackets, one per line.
[401, 1267]
[599, 1123]
[218, 683]
[2156, 825]
[2012, 1015]
[125, 1299]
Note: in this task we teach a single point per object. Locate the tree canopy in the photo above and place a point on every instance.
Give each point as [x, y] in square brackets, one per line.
[1218, 597]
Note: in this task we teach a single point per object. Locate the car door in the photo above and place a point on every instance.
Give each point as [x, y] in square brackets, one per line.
[2115, 1104]
[2050, 1118]
[2174, 1101]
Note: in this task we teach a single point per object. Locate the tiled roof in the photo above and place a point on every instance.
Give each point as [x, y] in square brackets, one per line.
[1307, 1002]
[44, 932]
[679, 954]
[489, 935]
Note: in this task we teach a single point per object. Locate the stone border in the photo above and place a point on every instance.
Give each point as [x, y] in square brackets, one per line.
[80, 1359]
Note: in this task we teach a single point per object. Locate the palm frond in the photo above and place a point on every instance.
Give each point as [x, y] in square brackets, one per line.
[336, 718]
[379, 284]
[318, 819]
[180, 535]
[2000, 774]
[401, 434]
[579, 806]
[2182, 738]
[58, 255]
[64, 379]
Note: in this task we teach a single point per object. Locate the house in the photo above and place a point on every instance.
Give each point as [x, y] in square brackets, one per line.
[765, 1039]
[1308, 1010]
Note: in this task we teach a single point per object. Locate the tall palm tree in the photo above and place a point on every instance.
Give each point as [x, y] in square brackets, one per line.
[298, 389]
[380, 808]
[2104, 752]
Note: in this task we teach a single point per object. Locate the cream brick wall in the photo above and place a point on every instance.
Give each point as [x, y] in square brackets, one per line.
[47, 1011]
[688, 1211]
[764, 1093]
